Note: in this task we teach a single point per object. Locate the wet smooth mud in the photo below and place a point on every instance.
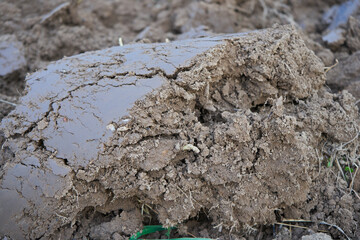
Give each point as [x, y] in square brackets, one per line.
[226, 126]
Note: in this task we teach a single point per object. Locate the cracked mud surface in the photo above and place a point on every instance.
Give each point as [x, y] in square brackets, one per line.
[63, 146]
[107, 139]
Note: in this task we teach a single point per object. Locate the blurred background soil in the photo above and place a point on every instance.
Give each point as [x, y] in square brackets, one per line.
[35, 32]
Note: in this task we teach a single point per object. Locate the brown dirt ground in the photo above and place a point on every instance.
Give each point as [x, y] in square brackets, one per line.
[45, 31]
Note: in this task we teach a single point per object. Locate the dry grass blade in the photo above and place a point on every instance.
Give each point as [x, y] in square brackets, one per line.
[338, 228]
[356, 194]
[332, 66]
[7, 102]
[297, 220]
[309, 221]
[291, 225]
[340, 169]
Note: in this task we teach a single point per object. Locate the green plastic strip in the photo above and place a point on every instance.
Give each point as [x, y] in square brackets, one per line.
[157, 228]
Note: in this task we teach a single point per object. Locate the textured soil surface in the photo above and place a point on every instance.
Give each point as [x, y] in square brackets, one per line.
[224, 135]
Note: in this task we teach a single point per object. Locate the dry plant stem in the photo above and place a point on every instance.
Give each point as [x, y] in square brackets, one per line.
[297, 220]
[317, 154]
[340, 148]
[332, 66]
[7, 102]
[353, 139]
[309, 221]
[352, 180]
[338, 228]
[356, 194]
[151, 209]
[348, 165]
[291, 225]
[341, 171]
[192, 235]
[148, 206]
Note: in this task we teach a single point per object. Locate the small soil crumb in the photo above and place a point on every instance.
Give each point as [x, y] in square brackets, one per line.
[250, 107]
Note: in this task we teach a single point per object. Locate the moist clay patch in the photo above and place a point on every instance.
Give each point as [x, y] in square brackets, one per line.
[228, 126]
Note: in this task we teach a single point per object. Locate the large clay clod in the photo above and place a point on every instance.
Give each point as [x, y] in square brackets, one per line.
[226, 125]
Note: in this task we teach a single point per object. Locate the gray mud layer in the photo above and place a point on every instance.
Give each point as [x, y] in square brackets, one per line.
[225, 125]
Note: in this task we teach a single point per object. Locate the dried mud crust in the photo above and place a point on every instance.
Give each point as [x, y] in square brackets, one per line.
[228, 126]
